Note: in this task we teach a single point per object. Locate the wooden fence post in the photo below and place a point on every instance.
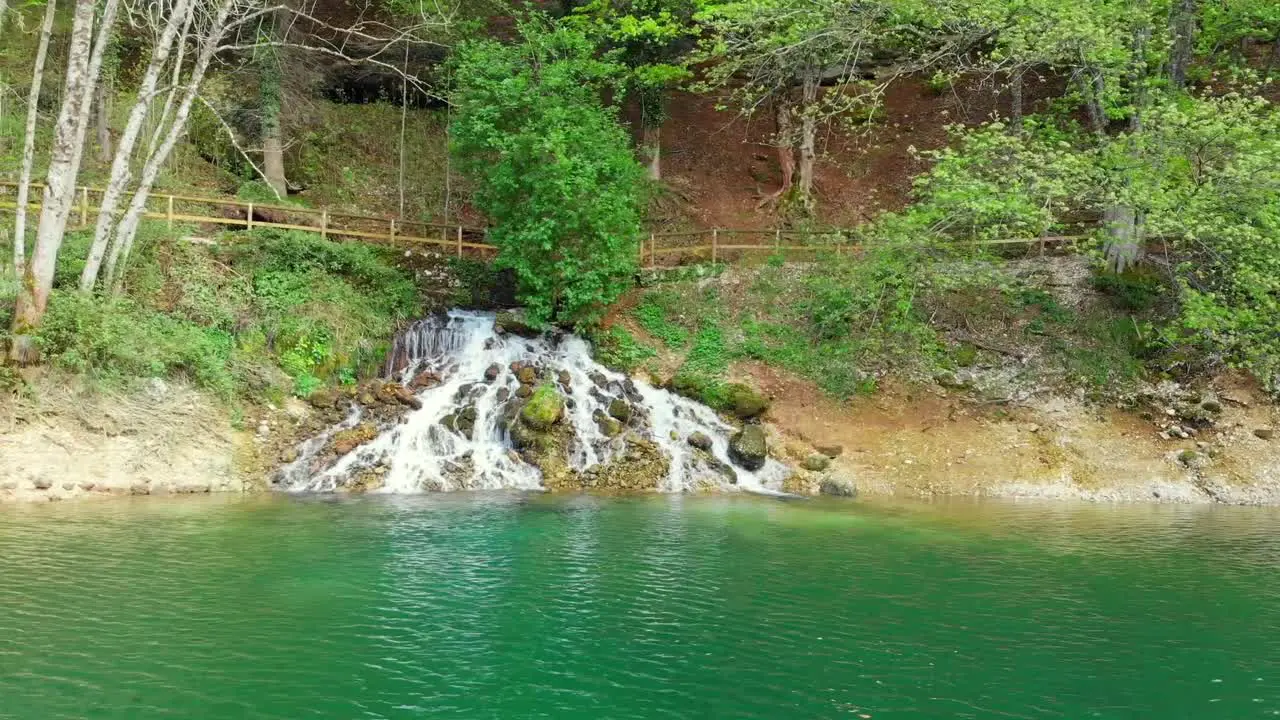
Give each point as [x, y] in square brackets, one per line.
[84, 205]
[249, 218]
[715, 240]
[459, 241]
[168, 213]
[393, 232]
[324, 224]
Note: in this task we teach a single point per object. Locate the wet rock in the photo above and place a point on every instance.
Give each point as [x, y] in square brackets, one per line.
[68, 486]
[700, 440]
[620, 410]
[837, 486]
[1264, 433]
[631, 391]
[609, 426]
[491, 373]
[41, 483]
[524, 391]
[564, 379]
[749, 447]
[87, 486]
[544, 409]
[323, 399]
[816, 462]
[403, 396]
[515, 322]
[527, 375]
[599, 379]
[288, 455]
[424, 380]
[503, 394]
[347, 440]
[831, 451]
[744, 402]
[466, 421]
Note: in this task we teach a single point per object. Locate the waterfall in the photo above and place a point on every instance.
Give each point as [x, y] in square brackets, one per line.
[466, 373]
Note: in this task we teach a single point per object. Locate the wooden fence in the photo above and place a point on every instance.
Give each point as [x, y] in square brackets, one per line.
[657, 250]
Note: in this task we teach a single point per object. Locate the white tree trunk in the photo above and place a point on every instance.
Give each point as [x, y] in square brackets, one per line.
[652, 143]
[59, 191]
[808, 139]
[101, 120]
[29, 143]
[118, 183]
[128, 228]
[174, 83]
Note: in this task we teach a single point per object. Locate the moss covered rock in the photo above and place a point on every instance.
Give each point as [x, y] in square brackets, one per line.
[620, 410]
[743, 401]
[749, 447]
[544, 408]
[516, 322]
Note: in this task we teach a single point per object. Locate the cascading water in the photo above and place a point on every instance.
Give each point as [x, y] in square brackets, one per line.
[474, 378]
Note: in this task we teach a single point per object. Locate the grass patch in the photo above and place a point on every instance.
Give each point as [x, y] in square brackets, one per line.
[618, 349]
[269, 312]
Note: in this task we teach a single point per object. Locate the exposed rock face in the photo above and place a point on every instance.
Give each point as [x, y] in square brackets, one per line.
[749, 447]
[639, 469]
[348, 440]
[544, 408]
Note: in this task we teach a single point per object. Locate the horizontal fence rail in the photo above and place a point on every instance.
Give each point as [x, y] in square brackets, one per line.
[659, 249]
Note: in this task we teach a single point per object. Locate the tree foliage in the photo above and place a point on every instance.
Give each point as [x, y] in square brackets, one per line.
[552, 167]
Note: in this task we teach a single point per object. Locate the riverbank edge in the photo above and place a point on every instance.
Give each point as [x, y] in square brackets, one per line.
[173, 440]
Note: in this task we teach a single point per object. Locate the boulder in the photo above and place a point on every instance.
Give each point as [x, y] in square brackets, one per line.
[491, 373]
[524, 391]
[527, 375]
[620, 410]
[404, 396]
[749, 447]
[564, 378]
[837, 486]
[744, 402]
[503, 394]
[1264, 433]
[816, 462]
[831, 451]
[42, 483]
[609, 426]
[516, 322]
[544, 408]
[700, 440]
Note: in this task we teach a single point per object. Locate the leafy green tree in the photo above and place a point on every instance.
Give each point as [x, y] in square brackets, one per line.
[652, 38]
[552, 167]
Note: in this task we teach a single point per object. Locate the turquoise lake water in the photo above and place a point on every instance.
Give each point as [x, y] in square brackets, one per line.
[527, 606]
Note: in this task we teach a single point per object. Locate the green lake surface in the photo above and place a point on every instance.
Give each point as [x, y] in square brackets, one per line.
[528, 606]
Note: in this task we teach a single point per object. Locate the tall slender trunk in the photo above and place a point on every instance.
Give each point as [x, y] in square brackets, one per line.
[29, 143]
[1182, 31]
[4, 9]
[652, 143]
[1015, 90]
[128, 228]
[1095, 91]
[785, 146]
[1273, 60]
[59, 191]
[121, 174]
[404, 123]
[1124, 222]
[272, 98]
[174, 81]
[808, 137]
[100, 119]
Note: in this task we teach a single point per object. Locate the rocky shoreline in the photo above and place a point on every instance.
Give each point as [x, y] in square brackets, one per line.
[1213, 445]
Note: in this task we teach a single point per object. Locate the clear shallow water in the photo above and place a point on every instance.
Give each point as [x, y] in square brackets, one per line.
[526, 606]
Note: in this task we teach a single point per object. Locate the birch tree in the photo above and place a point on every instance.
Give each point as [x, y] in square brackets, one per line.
[59, 191]
[211, 39]
[121, 172]
[29, 142]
